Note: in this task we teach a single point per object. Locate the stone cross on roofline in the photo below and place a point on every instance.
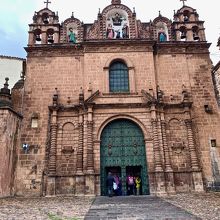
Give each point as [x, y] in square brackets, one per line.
[183, 2]
[47, 3]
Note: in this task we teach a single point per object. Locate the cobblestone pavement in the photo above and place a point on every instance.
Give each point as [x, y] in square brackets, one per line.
[136, 208]
[205, 206]
[58, 208]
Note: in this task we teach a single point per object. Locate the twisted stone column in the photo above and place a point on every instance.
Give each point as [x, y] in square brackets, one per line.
[53, 144]
[157, 156]
[90, 159]
[79, 164]
[192, 148]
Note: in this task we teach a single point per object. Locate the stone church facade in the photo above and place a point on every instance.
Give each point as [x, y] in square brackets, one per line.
[117, 95]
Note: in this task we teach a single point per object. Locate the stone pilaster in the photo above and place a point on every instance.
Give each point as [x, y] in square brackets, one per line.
[169, 177]
[80, 178]
[196, 172]
[159, 174]
[168, 167]
[157, 156]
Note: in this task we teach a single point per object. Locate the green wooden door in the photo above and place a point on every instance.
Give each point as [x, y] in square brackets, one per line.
[123, 146]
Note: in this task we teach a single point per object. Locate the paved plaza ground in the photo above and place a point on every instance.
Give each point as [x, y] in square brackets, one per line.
[179, 207]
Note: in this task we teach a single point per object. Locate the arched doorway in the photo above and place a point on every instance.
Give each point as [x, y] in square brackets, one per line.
[123, 153]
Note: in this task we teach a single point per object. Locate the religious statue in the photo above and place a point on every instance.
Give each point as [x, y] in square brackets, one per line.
[72, 36]
[117, 20]
[125, 31]
[110, 33]
[162, 36]
[118, 34]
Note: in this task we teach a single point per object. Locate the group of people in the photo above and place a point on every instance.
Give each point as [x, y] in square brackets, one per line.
[114, 185]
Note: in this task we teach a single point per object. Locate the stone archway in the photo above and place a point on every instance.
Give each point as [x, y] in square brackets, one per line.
[123, 152]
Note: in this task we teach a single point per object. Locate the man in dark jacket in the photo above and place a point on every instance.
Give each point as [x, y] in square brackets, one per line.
[109, 182]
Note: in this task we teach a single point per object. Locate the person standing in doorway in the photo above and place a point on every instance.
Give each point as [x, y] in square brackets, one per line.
[138, 185]
[109, 182]
[130, 184]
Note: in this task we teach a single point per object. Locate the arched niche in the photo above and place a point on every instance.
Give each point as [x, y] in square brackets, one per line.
[121, 18]
[117, 24]
[162, 32]
[162, 28]
[72, 26]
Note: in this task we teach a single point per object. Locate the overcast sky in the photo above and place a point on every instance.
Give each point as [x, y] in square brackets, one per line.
[15, 15]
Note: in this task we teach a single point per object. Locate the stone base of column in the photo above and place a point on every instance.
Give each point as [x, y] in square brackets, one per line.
[170, 186]
[160, 183]
[197, 181]
[90, 184]
[51, 186]
[80, 184]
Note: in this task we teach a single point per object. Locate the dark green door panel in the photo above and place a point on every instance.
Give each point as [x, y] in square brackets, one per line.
[122, 145]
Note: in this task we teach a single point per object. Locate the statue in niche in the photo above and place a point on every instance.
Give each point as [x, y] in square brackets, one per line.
[125, 31]
[118, 34]
[162, 36]
[110, 33]
[117, 19]
[72, 36]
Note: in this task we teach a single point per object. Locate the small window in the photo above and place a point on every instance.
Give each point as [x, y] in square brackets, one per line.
[34, 122]
[118, 77]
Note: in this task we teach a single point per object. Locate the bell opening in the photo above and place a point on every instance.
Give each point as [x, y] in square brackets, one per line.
[183, 36]
[196, 37]
[38, 38]
[50, 39]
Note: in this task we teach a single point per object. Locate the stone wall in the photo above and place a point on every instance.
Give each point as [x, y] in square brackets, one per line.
[9, 133]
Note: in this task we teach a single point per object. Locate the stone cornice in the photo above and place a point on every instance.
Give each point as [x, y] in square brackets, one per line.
[104, 46]
[186, 47]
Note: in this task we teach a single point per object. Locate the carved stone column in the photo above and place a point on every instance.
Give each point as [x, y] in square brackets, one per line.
[90, 159]
[80, 180]
[52, 161]
[196, 172]
[192, 149]
[90, 177]
[79, 164]
[51, 180]
[159, 174]
[169, 177]
[157, 156]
